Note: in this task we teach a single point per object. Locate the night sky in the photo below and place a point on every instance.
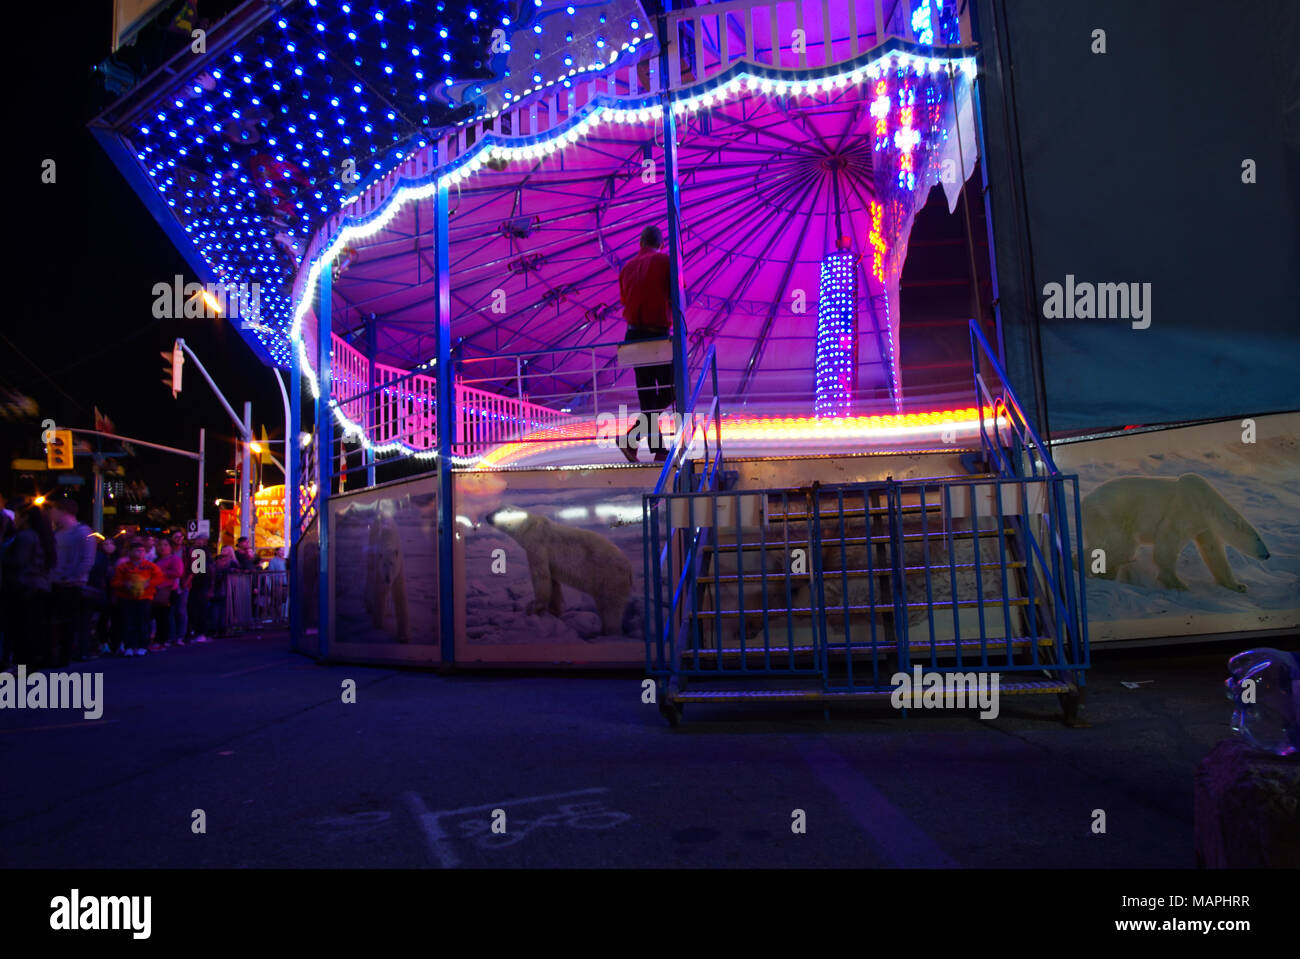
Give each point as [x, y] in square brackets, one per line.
[88, 255]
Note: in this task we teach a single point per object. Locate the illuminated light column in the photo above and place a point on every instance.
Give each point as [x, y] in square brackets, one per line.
[880, 111]
[877, 240]
[906, 137]
[837, 353]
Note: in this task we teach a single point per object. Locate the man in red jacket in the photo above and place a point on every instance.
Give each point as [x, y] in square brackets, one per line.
[643, 285]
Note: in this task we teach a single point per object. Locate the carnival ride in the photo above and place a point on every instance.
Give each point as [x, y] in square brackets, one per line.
[459, 311]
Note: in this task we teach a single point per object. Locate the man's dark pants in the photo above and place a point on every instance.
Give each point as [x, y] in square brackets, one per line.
[71, 625]
[654, 387]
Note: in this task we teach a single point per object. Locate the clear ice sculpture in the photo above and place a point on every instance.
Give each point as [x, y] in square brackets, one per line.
[1264, 686]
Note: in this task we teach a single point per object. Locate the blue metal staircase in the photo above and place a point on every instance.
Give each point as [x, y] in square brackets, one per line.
[827, 593]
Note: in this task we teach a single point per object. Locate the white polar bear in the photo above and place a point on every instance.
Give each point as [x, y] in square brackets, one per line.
[580, 558]
[1165, 512]
[386, 576]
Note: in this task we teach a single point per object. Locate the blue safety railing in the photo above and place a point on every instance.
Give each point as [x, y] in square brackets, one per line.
[1015, 452]
[846, 585]
[1008, 438]
[956, 574]
[680, 467]
[674, 560]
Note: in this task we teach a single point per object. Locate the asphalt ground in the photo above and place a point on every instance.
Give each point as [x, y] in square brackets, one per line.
[580, 773]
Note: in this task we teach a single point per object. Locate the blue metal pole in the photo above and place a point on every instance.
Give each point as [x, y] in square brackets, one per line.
[324, 454]
[446, 383]
[673, 197]
[292, 522]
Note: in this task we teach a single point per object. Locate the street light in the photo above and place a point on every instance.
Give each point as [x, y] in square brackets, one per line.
[212, 302]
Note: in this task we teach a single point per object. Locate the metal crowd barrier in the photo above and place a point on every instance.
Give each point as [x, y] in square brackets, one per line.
[257, 599]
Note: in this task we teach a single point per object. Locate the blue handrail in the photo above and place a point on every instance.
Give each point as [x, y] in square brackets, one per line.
[686, 436]
[1061, 572]
[980, 348]
[661, 645]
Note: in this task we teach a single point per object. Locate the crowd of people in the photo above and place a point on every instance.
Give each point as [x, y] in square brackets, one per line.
[70, 594]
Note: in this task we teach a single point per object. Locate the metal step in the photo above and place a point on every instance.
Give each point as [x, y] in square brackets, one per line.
[935, 537]
[830, 489]
[755, 578]
[887, 608]
[830, 516]
[947, 647]
[692, 695]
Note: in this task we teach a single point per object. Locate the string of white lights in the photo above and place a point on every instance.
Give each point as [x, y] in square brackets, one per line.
[603, 109]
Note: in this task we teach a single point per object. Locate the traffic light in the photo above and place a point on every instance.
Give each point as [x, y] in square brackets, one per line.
[173, 361]
[58, 451]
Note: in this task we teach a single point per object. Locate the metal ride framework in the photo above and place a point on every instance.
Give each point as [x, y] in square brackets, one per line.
[397, 413]
[775, 164]
[430, 419]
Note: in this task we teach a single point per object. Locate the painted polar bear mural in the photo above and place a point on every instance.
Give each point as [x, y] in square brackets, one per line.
[386, 573]
[580, 558]
[1122, 514]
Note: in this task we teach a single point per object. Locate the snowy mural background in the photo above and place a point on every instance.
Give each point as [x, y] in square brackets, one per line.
[384, 562]
[1261, 480]
[497, 596]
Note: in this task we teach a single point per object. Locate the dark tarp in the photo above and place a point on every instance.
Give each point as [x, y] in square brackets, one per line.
[1129, 168]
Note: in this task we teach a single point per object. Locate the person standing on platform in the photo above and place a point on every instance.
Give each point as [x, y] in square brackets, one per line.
[643, 286]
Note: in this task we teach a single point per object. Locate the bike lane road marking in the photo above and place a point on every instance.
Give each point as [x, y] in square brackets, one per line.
[439, 841]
